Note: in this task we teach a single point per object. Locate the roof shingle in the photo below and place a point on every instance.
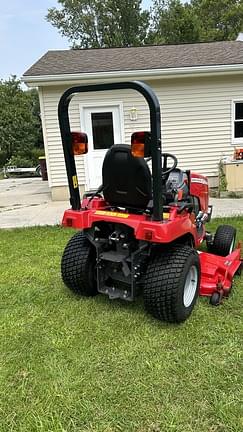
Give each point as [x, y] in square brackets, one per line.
[137, 58]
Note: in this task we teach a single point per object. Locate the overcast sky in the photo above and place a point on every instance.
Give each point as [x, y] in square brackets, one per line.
[25, 35]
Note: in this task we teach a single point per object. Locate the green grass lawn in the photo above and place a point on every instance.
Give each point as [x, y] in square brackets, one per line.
[71, 364]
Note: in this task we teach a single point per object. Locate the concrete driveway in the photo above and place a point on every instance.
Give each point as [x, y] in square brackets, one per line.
[27, 202]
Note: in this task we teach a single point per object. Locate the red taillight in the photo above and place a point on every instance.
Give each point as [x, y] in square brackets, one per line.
[140, 144]
[69, 222]
[148, 235]
[79, 143]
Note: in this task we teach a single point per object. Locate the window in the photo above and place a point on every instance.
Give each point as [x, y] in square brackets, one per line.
[102, 128]
[238, 122]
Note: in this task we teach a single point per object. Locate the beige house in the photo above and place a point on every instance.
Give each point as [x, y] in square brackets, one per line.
[200, 88]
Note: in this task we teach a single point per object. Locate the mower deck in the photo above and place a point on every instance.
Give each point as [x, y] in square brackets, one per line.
[217, 273]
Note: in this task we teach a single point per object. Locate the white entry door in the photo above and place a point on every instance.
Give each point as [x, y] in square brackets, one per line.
[103, 126]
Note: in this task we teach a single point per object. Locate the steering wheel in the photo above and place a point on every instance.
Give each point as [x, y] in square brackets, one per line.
[165, 170]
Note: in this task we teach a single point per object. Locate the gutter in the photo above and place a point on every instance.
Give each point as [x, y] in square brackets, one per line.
[38, 80]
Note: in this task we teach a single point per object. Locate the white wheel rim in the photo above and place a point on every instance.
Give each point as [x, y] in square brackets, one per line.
[232, 246]
[190, 286]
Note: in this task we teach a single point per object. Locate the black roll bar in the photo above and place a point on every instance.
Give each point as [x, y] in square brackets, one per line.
[155, 127]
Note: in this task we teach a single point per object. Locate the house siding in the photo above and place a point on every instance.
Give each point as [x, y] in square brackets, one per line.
[196, 121]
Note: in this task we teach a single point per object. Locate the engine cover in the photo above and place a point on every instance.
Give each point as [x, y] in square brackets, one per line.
[199, 188]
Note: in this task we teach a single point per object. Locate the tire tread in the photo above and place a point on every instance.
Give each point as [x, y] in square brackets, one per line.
[75, 265]
[223, 239]
[163, 277]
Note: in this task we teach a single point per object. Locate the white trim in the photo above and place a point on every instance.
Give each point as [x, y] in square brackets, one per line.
[105, 104]
[199, 180]
[117, 104]
[45, 139]
[235, 141]
[33, 81]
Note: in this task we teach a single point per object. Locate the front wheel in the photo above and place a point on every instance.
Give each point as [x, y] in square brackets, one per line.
[224, 240]
[172, 284]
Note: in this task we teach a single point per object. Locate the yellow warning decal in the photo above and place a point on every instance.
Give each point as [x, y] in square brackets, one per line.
[122, 215]
[75, 181]
[113, 214]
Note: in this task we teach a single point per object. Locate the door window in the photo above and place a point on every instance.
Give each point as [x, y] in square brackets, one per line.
[102, 129]
[238, 122]
[103, 125]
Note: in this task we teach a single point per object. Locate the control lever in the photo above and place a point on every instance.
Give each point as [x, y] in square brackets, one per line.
[185, 206]
[201, 219]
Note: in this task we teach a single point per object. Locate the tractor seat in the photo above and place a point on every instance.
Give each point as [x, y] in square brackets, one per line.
[127, 181]
[176, 186]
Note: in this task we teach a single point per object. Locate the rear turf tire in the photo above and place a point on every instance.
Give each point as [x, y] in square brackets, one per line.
[78, 266]
[224, 240]
[169, 291]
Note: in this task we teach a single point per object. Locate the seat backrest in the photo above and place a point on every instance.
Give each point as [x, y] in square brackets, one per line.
[127, 180]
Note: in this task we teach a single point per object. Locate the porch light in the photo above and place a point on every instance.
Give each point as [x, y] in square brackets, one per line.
[133, 114]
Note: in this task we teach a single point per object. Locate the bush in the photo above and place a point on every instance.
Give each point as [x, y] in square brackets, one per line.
[20, 162]
[28, 160]
[3, 158]
[21, 134]
[36, 153]
[222, 178]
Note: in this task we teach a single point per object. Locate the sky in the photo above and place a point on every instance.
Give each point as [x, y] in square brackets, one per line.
[25, 35]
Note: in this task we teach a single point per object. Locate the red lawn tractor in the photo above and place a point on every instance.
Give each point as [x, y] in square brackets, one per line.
[141, 230]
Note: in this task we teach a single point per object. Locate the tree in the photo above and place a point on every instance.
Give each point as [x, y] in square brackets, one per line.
[20, 126]
[196, 21]
[98, 24]
[173, 22]
[109, 23]
[219, 19]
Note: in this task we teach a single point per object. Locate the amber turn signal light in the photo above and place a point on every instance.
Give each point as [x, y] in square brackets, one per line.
[79, 143]
[137, 150]
[140, 144]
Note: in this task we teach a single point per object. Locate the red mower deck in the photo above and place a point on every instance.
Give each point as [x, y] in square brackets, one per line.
[217, 273]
